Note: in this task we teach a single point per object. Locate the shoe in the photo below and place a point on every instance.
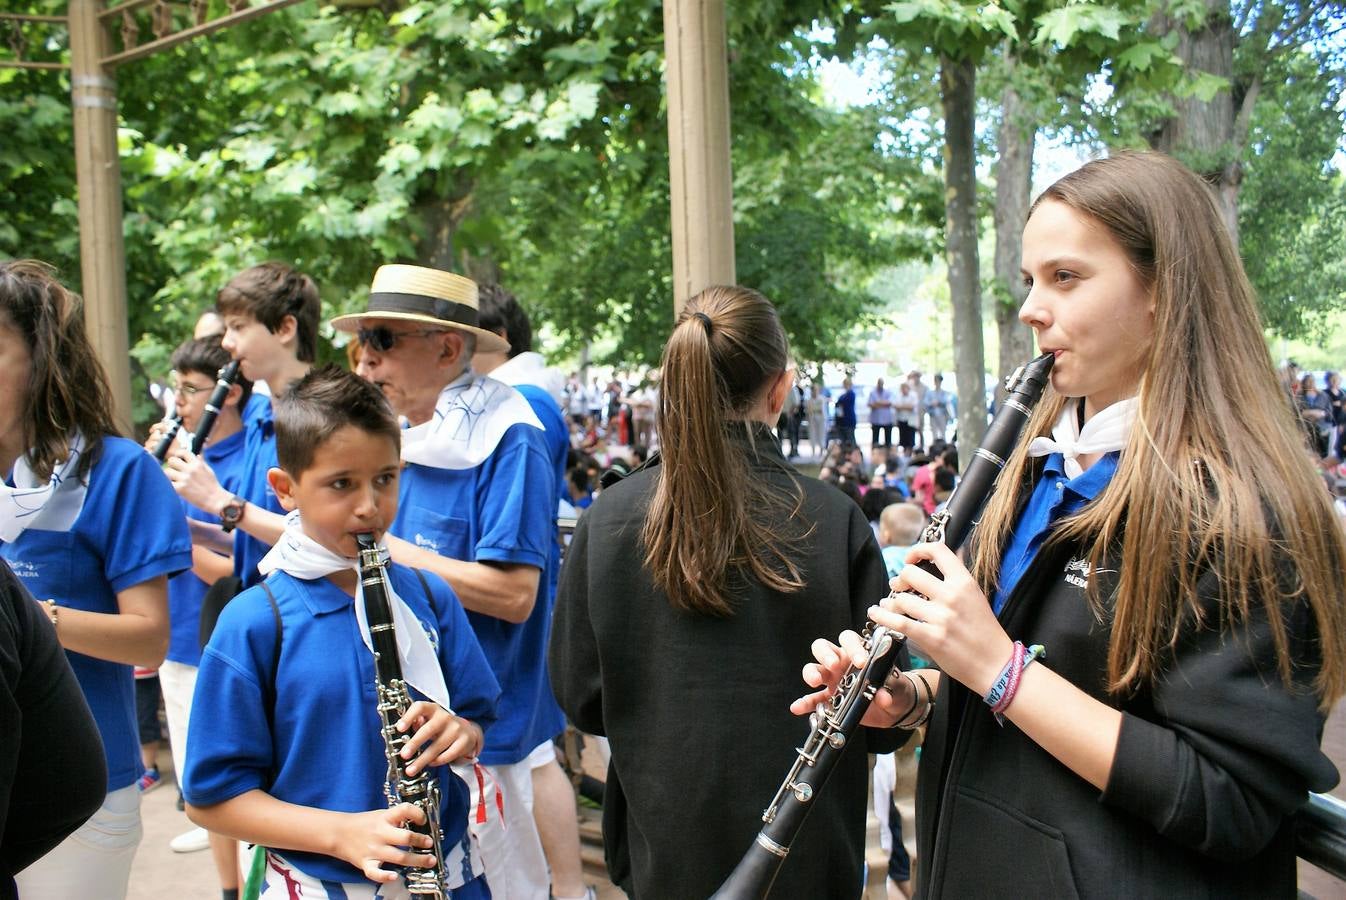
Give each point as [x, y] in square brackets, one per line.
[190, 841]
[150, 780]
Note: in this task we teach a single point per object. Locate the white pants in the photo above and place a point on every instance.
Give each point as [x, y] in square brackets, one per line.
[178, 683]
[95, 861]
[516, 868]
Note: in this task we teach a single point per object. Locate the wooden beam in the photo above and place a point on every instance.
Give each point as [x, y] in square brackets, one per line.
[102, 253]
[698, 146]
[28, 64]
[188, 34]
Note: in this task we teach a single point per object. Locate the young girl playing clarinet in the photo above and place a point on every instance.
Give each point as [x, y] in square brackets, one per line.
[1134, 671]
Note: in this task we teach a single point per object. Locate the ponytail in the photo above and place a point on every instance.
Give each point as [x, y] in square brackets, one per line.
[710, 514]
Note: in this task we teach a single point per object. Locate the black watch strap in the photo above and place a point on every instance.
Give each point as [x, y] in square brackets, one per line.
[232, 514]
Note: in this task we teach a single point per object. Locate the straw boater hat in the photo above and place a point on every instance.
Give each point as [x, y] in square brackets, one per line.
[426, 296]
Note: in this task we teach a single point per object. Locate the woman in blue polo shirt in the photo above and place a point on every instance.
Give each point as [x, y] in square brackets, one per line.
[93, 529]
[1163, 535]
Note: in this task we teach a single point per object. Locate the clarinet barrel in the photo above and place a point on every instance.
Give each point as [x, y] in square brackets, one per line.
[224, 381]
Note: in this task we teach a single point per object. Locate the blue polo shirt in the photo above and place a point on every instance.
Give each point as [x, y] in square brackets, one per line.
[325, 749]
[259, 457]
[130, 530]
[1054, 497]
[503, 510]
[186, 590]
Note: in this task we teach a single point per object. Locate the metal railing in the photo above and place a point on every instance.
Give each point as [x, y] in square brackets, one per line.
[1320, 834]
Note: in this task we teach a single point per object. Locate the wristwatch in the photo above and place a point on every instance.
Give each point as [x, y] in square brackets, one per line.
[232, 513]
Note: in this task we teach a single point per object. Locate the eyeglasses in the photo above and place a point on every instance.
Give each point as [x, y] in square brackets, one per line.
[383, 338]
[187, 389]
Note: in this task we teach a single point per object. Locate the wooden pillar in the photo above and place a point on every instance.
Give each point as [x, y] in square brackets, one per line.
[102, 253]
[698, 146]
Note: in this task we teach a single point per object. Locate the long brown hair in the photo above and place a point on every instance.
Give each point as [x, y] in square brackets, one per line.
[1216, 477]
[710, 515]
[67, 388]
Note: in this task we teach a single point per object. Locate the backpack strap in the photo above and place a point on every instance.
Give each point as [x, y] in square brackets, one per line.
[275, 659]
[425, 586]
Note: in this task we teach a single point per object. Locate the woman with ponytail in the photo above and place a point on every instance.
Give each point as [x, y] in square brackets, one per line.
[93, 530]
[689, 597]
[1162, 537]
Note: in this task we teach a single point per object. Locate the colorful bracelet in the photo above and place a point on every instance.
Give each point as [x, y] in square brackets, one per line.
[1006, 685]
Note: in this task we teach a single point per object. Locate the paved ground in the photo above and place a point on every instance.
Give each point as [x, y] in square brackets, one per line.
[160, 874]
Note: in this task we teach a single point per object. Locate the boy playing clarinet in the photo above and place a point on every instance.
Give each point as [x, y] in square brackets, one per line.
[285, 748]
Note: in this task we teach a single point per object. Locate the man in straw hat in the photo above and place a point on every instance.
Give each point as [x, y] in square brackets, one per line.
[478, 506]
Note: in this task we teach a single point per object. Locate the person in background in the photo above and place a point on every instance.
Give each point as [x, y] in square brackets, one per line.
[815, 407]
[882, 415]
[638, 645]
[93, 530]
[938, 410]
[845, 414]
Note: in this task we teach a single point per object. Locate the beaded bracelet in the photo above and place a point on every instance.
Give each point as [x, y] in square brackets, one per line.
[1006, 685]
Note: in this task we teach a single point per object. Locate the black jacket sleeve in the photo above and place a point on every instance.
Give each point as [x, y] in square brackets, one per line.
[573, 654]
[53, 774]
[1230, 749]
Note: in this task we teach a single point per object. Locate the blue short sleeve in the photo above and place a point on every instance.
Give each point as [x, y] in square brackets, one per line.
[136, 519]
[517, 501]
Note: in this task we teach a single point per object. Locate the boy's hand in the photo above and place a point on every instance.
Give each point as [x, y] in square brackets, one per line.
[440, 736]
[367, 840]
[195, 481]
[157, 431]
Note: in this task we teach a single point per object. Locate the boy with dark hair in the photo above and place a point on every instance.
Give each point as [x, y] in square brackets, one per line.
[290, 678]
[270, 314]
[196, 365]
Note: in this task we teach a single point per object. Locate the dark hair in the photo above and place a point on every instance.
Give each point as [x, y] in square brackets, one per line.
[852, 490]
[499, 310]
[875, 500]
[322, 403]
[945, 479]
[206, 356]
[710, 513]
[270, 292]
[67, 387]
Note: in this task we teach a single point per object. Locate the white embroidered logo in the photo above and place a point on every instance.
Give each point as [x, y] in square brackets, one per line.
[423, 541]
[1077, 572]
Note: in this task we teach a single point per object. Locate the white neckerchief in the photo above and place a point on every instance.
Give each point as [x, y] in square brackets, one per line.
[53, 506]
[530, 368]
[471, 416]
[299, 555]
[1106, 431]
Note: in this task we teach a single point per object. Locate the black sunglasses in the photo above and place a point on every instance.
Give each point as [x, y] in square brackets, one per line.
[383, 338]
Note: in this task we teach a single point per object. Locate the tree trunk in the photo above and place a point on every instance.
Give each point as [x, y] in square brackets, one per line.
[1013, 187]
[958, 94]
[1204, 133]
[441, 216]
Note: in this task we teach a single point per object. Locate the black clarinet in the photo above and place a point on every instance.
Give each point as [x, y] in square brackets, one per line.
[394, 699]
[166, 442]
[224, 381]
[836, 722]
